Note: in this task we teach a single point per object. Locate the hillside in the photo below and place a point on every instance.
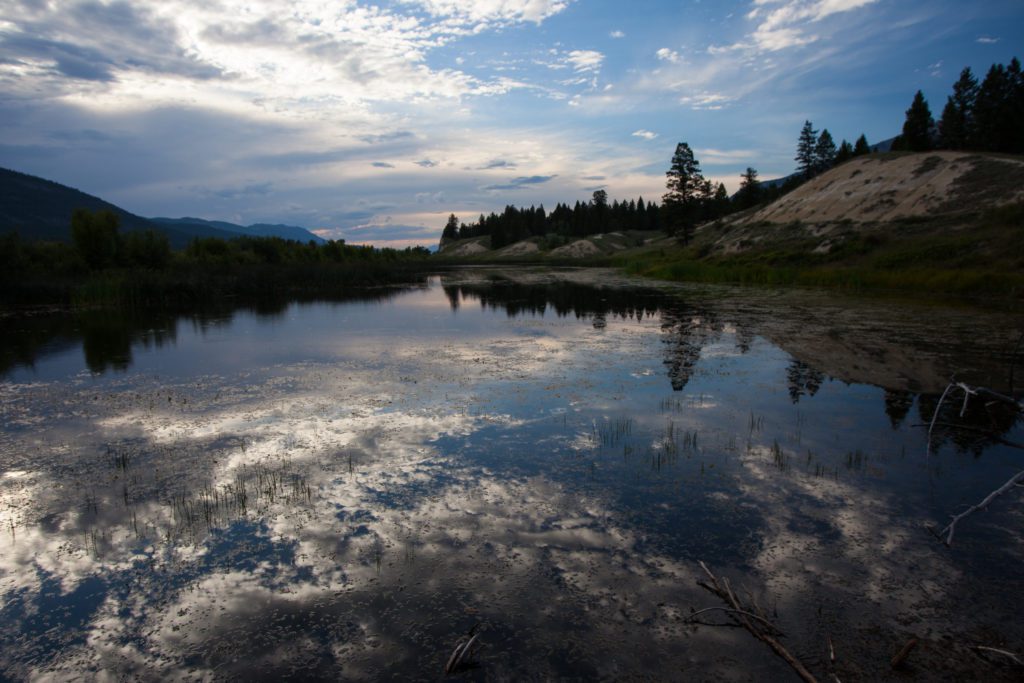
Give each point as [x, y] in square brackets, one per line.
[288, 232]
[932, 221]
[891, 196]
[40, 209]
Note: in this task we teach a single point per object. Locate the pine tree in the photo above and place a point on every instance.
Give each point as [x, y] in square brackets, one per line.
[990, 108]
[845, 152]
[824, 152]
[918, 127]
[805, 150]
[688, 192]
[750, 189]
[451, 230]
[861, 147]
[719, 202]
[956, 127]
[1015, 108]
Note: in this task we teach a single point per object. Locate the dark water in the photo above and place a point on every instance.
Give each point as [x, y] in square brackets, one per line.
[343, 489]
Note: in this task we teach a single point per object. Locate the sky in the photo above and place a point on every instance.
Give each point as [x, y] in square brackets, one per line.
[373, 122]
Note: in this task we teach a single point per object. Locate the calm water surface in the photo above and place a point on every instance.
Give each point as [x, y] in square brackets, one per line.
[343, 489]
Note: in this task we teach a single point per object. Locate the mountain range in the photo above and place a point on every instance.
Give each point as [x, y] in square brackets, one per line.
[40, 209]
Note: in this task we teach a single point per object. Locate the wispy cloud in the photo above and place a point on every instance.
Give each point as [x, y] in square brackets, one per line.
[987, 40]
[706, 100]
[617, 34]
[585, 60]
[645, 134]
[382, 164]
[497, 163]
[521, 182]
[784, 24]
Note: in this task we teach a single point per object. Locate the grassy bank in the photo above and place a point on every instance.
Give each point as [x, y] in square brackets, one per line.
[979, 255]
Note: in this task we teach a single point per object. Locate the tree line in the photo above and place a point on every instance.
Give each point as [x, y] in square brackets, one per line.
[564, 222]
[986, 116]
[97, 244]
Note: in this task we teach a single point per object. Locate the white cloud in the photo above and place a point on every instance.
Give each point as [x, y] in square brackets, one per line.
[617, 34]
[494, 10]
[784, 24]
[585, 60]
[645, 134]
[667, 55]
[987, 40]
[706, 100]
[709, 155]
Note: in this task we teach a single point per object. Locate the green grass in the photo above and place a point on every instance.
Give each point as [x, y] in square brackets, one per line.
[964, 255]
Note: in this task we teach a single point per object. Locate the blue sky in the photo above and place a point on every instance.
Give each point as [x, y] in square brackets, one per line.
[373, 122]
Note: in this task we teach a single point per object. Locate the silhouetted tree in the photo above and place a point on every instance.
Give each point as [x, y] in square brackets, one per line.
[688, 190]
[451, 229]
[844, 153]
[824, 152]
[750, 189]
[918, 127]
[956, 127]
[861, 146]
[805, 147]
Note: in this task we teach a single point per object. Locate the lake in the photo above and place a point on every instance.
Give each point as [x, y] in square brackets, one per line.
[344, 489]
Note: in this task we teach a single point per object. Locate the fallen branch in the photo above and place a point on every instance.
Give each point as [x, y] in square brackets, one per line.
[733, 611]
[1014, 481]
[951, 527]
[724, 591]
[1014, 657]
[902, 655]
[463, 652]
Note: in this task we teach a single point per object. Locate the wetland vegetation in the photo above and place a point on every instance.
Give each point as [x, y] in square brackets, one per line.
[542, 458]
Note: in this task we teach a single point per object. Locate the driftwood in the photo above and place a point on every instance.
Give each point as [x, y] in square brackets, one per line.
[904, 652]
[462, 655]
[1014, 481]
[736, 610]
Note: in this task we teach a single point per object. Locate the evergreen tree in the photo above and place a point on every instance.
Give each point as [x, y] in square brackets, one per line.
[845, 152]
[990, 108]
[451, 230]
[956, 127]
[824, 152]
[720, 204]
[1015, 108]
[861, 147]
[688, 192]
[918, 127]
[750, 189]
[805, 147]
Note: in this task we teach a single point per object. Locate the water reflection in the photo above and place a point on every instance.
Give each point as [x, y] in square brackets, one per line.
[417, 468]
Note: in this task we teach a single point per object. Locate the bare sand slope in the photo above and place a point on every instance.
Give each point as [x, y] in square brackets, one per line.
[884, 188]
[577, 249]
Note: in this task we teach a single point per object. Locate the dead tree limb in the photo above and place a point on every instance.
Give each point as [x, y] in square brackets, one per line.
[730, 610]
[725, 593]
[1016, 658]
[1014, 481]
[951, 527]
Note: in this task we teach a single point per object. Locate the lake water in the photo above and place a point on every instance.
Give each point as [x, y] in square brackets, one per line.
[343, 489]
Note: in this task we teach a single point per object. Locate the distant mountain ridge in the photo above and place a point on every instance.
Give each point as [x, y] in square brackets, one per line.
[40, 209]
[288, 232]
